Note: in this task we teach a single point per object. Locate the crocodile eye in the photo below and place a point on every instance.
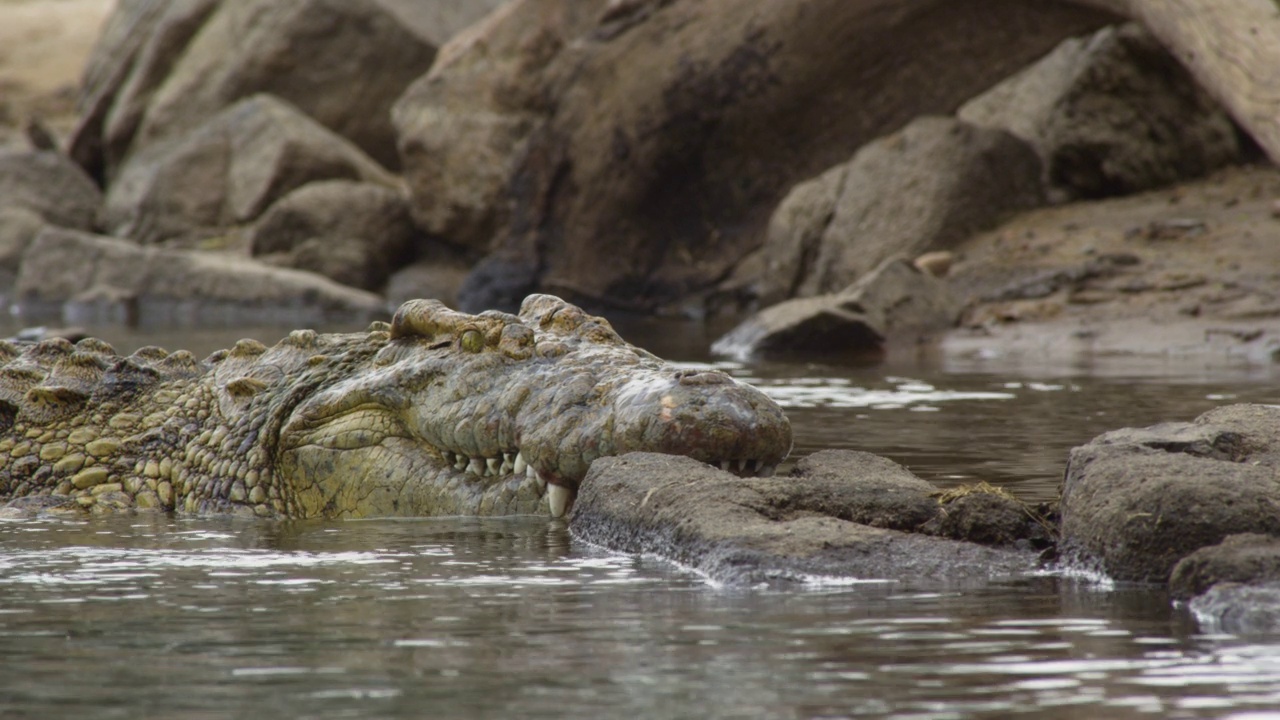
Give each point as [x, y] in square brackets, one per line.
[472, 341]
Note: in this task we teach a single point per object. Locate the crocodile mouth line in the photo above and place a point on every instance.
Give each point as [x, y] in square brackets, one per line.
[559, 493]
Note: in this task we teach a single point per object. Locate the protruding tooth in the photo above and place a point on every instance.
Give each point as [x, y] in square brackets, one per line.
[767, 470]
[461, 462]
[558, 497]
[724, 465]
[520, 464]
[508, 463]
[491, 466]
[742, 465]
[535, 476]
[476, 466]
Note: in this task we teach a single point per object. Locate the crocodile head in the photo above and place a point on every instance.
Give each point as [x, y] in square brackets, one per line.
[500, 414]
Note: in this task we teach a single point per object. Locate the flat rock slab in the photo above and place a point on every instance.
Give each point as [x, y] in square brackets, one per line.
[746, 531]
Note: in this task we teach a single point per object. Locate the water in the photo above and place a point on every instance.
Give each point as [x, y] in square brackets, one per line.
[159, 617]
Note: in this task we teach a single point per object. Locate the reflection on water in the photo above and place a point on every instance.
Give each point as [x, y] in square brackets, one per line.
[140, 617]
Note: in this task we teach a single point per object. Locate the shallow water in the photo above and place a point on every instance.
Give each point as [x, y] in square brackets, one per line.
[157, 617]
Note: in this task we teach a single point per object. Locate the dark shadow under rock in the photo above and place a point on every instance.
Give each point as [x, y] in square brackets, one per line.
[745, 531]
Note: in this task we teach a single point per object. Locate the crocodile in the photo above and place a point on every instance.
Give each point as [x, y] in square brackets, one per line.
[438, 412]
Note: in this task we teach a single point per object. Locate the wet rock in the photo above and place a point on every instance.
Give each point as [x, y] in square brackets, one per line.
[924, 188]
[18, 227]
[1238, 609]
[1247, 558]
[895, 299]
[1136, 501]
[672, 129]
[227, 172]
[751, 530]
[498, 282]
[1111, 114]
[140, 43]
[352, 232]
[989, 515]
[50, 185]
[118, 280]
[341, 62]
[439, 279]
[858, 487]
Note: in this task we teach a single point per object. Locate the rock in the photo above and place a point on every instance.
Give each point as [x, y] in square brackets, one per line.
[18, 227]
[1247, 558]
[119, 280]
[352, 232]
[438, 20]
[498, 282]
[895, 299]
[1111, 114]
[49, 185]
[341, 62]
[673, 129]
[1136, 501]
[859, 487]
[426, 279]
[744, 531]
[227, 172]
[1238, 609]
[464, 125]
[924, 188]
[140, 43]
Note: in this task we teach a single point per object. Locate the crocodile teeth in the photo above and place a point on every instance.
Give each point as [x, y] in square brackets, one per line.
[742, 464]
[558, 497]
[533, 475]
[768, 470]
[519, 465]
[724, 465]
[508, 464]
[491, 466]
[461, 463]
[476, 467]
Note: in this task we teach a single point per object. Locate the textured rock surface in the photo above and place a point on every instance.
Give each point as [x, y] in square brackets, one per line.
[926, 187]
[752, 530]
[226, 172]
[120, 281]
[1111, 114]
[1247, 558]
[1136, 501]
[354, 233]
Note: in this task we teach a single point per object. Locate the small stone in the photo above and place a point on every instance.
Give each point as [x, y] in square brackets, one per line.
[89, 477]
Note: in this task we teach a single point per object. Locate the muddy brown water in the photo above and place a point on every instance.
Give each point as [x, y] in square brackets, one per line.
[161, 617]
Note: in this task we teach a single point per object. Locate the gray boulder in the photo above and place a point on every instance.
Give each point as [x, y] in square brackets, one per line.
[926, 187]
[894, 300]
[1137, 501]
[1246, 558]
[352, 232]
[1238, 609]
[118, 281]
[751, 530]
[342, 62]
[1111, 114]
[50, 185]
[227, 171]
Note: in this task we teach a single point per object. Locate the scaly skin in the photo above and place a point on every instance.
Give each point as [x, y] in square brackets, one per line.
[438, 413]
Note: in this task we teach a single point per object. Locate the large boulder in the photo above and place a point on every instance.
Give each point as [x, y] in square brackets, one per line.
[1137, 501]
[1233, 586]
[356, 233]
[139, 44]
[751, 530]
[892, 301]
[1111, 114]
[342, 62]
[227, 171]
[49, 185]
[116, 280]
[438, 20]
[926, 187]
[672, 129]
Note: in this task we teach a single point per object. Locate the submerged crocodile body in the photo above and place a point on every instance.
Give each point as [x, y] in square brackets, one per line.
[437, 413]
